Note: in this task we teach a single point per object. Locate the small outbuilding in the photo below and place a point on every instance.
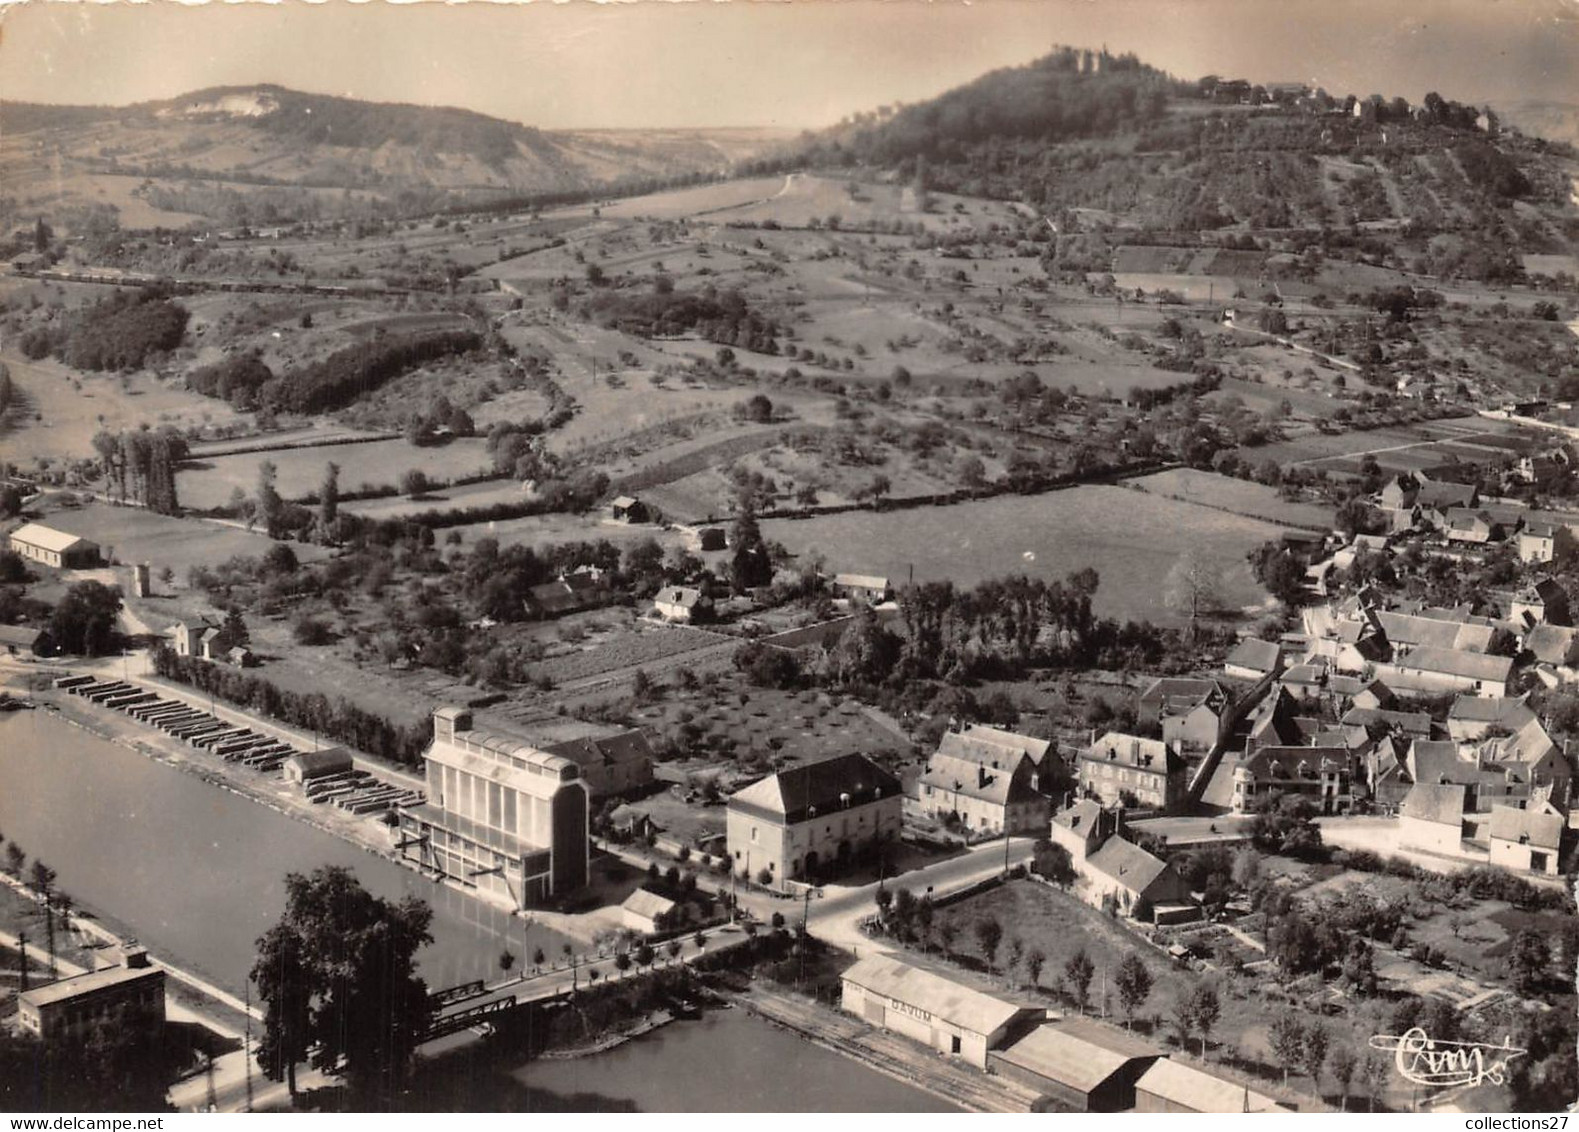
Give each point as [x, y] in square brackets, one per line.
[18, 640]
[305, 766]
[646, 912]
[628, 509]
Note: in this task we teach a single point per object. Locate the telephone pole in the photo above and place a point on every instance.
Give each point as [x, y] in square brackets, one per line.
[246, 1047]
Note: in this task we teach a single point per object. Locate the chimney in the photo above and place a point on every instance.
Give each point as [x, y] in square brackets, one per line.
[449, 721]
[134, 956]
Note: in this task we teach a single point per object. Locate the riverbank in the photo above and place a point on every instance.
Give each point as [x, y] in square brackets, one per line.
[892, 1056]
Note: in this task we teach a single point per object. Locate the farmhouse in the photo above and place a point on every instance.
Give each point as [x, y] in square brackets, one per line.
[502, 817]
[610, 764]
[571, 593]
[68, 1009]
[38, 543]
[985, 782]
[870, 589]
[1127, 768]
[815, 818]
[628, 509]
[1471, 717]
[1078, 1063]
[682, 604]
[937, 1012]
[197, 638]
[1172, 1086]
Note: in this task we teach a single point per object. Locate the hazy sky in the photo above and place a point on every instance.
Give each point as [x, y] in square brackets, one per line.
[802, 63]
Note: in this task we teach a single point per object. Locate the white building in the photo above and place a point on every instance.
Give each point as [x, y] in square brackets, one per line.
[38, 543]
[807, 820]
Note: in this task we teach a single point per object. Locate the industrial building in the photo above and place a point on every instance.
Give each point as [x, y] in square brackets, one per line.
[502, 817]
[68, 1009]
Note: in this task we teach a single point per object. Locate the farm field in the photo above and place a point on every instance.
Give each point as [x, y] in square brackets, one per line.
[132, 534]
[60, 409]
[209, 483]
[1406, 449]
[622, 646]
[1130, 538]
[1239, 496]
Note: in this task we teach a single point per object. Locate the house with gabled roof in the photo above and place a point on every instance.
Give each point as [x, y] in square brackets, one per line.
[1325, 774]
[1253, 660]
[1432, 818]
[611, 765]
[1537, 542]
[1082, 828]
[1138, 882]
[1470, 527]
[807, 820]
[987, 779]
[869, 589]
[1550, 644]
[1528, 840]
[1433, 670]
[1471, 717]
[682, 604]
[1191, 711]
[1545, 602]
[1149, 773]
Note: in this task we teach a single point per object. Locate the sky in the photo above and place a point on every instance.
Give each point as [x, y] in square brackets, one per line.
[786, 63]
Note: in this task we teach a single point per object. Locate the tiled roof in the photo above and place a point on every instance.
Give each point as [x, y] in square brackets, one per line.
[791, 794]
[1441, 804]
[951, 1002]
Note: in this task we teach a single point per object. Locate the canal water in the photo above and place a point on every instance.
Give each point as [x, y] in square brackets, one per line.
[198, 873]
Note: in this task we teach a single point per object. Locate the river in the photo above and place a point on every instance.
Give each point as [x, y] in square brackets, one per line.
[197, 872]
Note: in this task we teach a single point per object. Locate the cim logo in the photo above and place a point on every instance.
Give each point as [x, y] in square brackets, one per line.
[906, 1008]
[1421, 1060]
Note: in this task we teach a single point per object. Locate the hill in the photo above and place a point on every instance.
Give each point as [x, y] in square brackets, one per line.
[1112, 151]
[251, 137]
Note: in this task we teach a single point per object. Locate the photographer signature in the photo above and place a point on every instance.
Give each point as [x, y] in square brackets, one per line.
[1422, 1060]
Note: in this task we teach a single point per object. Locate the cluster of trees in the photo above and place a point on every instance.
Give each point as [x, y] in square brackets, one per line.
[122, 1063]
[718, 316]
[141, 464]
[236, 379]
[338, 719]
[350, 372]
[84, 622]
[337, 979]
[440, 416]
[118, 333]
[7, 389]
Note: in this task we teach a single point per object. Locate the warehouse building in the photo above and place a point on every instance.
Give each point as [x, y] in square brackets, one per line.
[69, 1009]
[1172, 1086]
[1079, 1064]
[937, 1012]
[38, 543]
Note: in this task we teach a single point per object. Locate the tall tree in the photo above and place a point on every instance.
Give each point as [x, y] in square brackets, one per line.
[1078, 970]
[329, 503]
[343, 962]
[270, 505]
[1193, 587]
[84, 620]
[1133, 981]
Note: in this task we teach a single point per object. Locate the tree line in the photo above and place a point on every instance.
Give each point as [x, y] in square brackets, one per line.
[141, 464]
[338, 719]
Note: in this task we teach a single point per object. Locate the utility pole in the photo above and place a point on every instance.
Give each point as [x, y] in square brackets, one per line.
[21, 942]
[246, 1047]
[1006, 840]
